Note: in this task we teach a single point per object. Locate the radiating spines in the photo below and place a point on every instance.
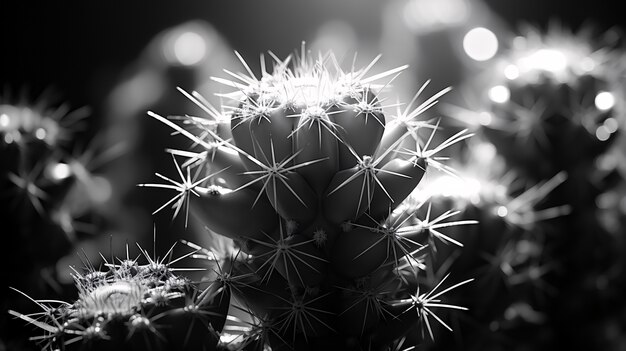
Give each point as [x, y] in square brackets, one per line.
[296, 258]
[406, 121]
[224, 162]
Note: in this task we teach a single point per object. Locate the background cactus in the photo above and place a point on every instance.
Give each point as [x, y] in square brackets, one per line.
[52, 194]
[551, 106]
[307, 175]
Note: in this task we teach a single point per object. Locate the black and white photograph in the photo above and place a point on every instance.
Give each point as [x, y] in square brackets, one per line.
[287, 175]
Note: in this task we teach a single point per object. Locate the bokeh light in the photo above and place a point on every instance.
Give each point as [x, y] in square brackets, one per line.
[499, 94]
[604, 100]
[480, 44]
[59, 171]
[185, 47]
[430, 15]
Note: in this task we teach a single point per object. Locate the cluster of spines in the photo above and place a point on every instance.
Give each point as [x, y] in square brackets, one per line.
[307, 176]
[133, 306]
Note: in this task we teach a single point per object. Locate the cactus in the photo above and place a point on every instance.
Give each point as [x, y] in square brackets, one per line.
[558, 95]
[50, 183]
[551, 107]
[51, 191]
[133, 306]
[307, 174]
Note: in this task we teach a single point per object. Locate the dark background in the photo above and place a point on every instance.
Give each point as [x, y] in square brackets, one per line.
[80, 47]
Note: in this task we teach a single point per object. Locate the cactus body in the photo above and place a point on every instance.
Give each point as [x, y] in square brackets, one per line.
[319, 211]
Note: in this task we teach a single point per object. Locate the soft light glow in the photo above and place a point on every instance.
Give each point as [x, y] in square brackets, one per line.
[611, 125]
[499, 94]
[511, 72]
[102, 190]
[335, 36]
[604, 101]
[485, 118]
[485, 152]
[480, 44]
[40, 133]
[448, 186]
[60, 171]
[602, 133]
[550, 60]
[189, 48]
[502, 211]
[4, 120]
[587, 64]
[431, 15]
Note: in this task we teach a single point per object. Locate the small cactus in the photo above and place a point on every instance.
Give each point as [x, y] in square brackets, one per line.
[307, 174]
[133, 306]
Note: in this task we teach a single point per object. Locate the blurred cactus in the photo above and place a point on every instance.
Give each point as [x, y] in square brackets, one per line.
[307, 176]
[133, 306]
[52, 195]
[508, 252]
[552, 106]
[558, 95]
